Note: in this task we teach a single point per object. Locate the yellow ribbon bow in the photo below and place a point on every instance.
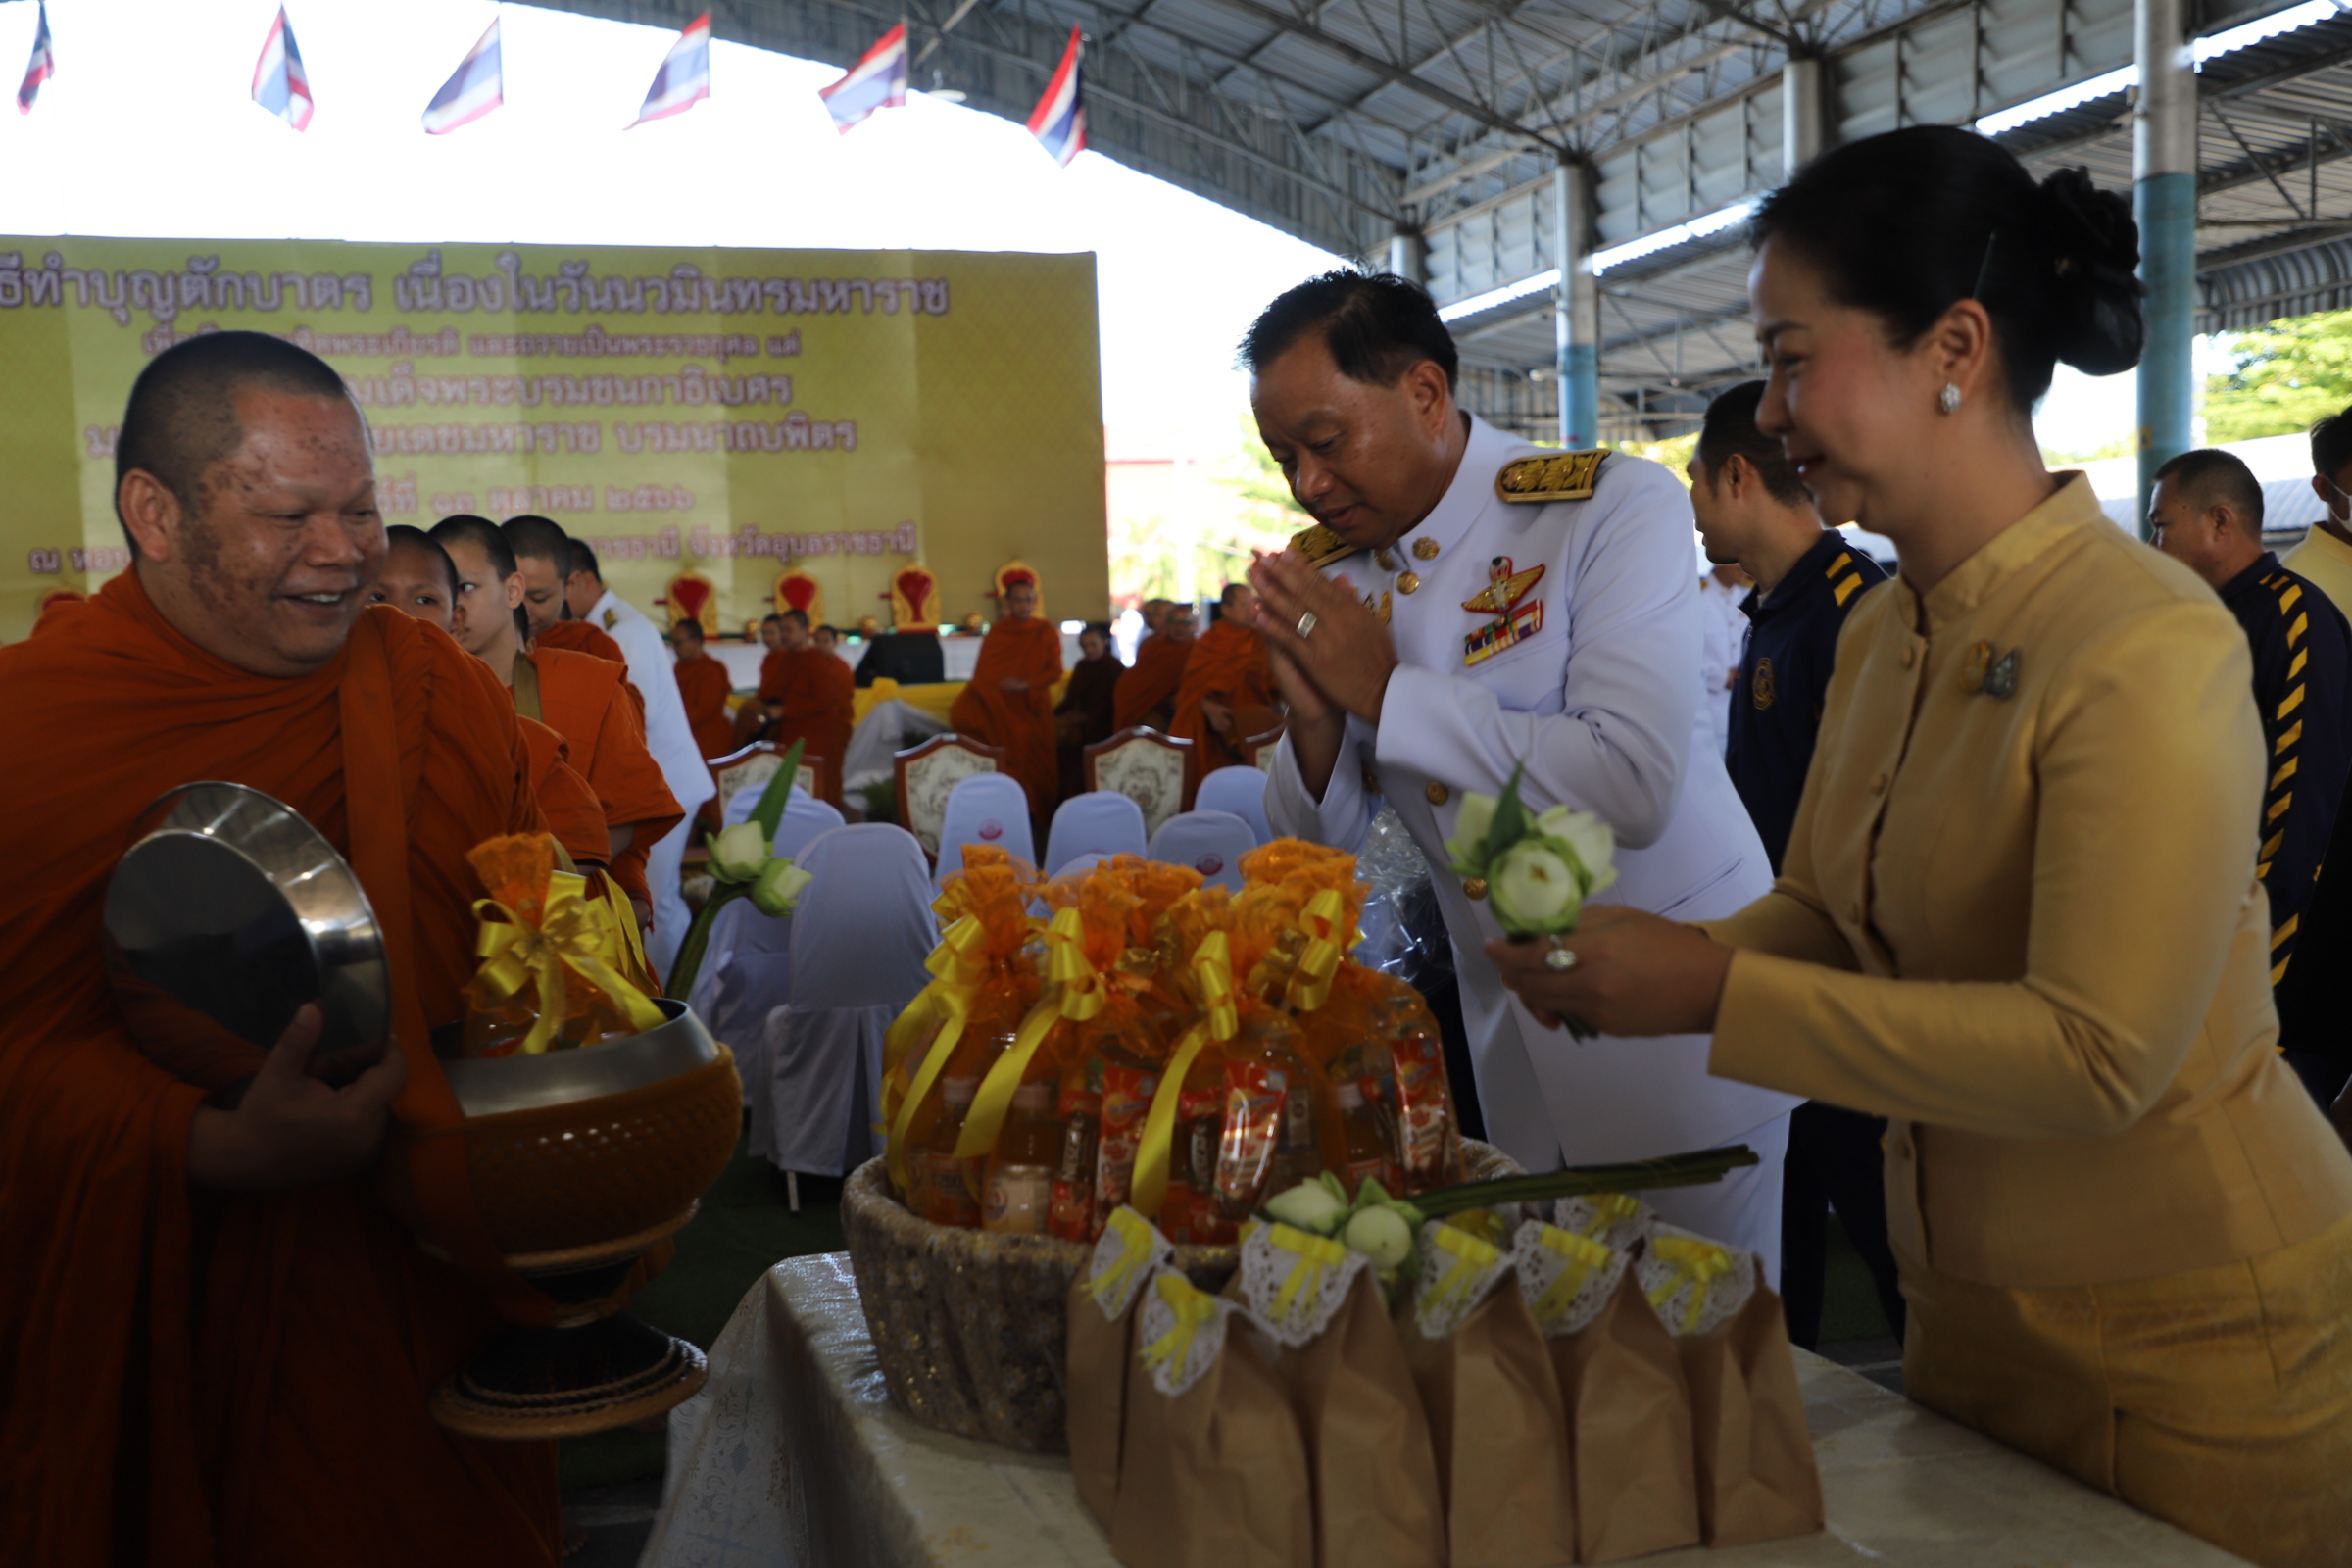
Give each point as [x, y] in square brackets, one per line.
[1471, 1257]
[957, 966]
[1193, 1308]
[1697, 1263]
[1220, 1019]
[1135, 1249]
[1076, 995]
[1316, 1254]
[1586, 1257]
[1324, 923]
[1610, 1209]
[575, 932]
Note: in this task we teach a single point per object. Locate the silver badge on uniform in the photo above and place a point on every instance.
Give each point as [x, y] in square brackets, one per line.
[2001, 679]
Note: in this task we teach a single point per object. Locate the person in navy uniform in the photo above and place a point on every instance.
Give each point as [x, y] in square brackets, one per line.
[1470, 606]
[1754, 508]
[2206, 513]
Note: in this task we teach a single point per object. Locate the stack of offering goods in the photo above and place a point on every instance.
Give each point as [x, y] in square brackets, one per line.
[1451, 1381]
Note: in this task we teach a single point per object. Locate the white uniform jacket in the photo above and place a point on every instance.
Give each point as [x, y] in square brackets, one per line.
[1593, 679]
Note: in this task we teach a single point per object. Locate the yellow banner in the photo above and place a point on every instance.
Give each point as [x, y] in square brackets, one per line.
[724, 414]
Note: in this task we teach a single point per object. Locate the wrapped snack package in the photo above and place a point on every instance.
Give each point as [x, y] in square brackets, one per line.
[1754, 1454]
[1622, 1389]
[1102, 1339]
[1377, 1499]
[559, 969]
[1494, 1407]
[1212, 1469]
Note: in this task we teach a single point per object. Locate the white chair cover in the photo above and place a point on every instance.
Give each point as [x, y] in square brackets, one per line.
[744, 800]
[1098, 822]
[1082, 865]
[747, 968]
[1240, 791]
[888, 729]
[1211, 843]
[858, 940]
[986, 809]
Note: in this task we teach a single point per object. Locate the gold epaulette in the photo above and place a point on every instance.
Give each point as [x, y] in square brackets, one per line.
[1320, 546]
[1553, 476]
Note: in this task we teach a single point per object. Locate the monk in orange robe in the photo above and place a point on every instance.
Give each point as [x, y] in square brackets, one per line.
[581, 637]
[1228, 693]
[703, 687]
[420, 580]
[1009, 699]
[1148, 691]
[810, 695]
[588, 701]
[216, 1345]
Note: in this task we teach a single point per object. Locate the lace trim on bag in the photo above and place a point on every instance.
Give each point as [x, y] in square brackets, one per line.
[1566, 1278]
[1694, 1284]
[1296, 1281]
[1129, 1253]
[1457, 1270]
[1180, 1330]
[1618, 1218]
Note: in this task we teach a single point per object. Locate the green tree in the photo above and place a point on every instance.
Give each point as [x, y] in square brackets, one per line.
[2286, 376]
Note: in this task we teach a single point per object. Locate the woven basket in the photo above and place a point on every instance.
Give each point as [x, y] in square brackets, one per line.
[969, 1326]
[562, 1177]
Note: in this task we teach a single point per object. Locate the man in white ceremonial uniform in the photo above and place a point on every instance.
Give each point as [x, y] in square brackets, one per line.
[667, 735]
[1431, 635]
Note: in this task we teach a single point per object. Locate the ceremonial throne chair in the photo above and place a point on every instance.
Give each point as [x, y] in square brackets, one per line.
[928, 774]
[1146, 766]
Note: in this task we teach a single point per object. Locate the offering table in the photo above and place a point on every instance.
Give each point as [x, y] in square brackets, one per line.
[792, 1456]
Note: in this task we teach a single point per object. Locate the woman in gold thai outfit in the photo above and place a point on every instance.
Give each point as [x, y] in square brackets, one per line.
[2019, 914]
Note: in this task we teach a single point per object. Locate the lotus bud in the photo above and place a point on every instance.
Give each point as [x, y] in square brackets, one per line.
[1382, 1235]
[1469, 846]
[778, 886]
[1308, 1207]
[738, 852]
[1536, 888]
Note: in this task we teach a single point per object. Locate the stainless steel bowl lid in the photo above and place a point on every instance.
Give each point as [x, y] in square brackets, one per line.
[492, 1086]
[231, 905]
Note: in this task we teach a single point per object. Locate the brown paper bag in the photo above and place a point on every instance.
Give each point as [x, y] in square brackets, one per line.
[1376, 1496]
[1101, 1322]
[1494, 1414]
[1753, 1451]
[1623, 1390]
[1212, 1470]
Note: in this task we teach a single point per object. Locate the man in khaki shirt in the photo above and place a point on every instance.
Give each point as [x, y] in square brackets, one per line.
[2324, 557]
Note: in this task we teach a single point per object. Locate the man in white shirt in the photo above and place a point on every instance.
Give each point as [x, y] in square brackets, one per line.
[667, 735]
[1724, 625]
[1409, 676]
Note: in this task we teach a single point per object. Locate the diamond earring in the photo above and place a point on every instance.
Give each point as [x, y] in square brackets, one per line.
[1948, 400]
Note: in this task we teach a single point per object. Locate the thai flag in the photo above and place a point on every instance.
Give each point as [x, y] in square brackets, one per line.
[280, 83]
[877, 81]
[1060, 119]
[684, 78]
[472, 91]
[41, 66]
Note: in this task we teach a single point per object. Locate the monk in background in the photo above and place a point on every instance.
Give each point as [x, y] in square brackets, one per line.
[587, 701]
[752, 718]
[1228, 691]
[1089, 707]
[704, 686]
[216, 1345]
[1148, 691]
[580, 637]
[1009, 699]
[811, 696]
[421, 581]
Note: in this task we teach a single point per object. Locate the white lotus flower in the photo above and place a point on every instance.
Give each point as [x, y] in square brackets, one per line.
[1469, 846]
[1590, 837]
[1535, 889]
[1382, 1235]
[778, 886]
[1308, 1207]
[738, 852]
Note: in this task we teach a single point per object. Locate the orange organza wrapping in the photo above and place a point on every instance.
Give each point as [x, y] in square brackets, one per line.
[516, 870]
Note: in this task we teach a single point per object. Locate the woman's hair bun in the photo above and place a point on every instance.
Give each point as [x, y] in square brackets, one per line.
[2095, 320]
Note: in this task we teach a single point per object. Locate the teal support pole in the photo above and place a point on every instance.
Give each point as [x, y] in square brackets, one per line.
[2164, 199]
[1575, 307]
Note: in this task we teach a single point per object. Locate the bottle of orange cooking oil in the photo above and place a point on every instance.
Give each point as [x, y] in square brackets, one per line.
[1001, 1000]
[950, 1186]
[1364, 1140]
[1018, 1194]
[1275, 1107]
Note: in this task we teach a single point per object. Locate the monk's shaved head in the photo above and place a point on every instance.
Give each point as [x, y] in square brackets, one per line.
[183, 413]
[417, 578]
[489, 587]
[583, 583]
[543, 554]
[480, 532]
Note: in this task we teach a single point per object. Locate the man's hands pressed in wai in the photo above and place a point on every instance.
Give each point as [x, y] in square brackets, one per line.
[290, 1129]
[1348, 654]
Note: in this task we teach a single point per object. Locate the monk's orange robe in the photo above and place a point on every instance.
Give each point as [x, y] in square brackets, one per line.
[703, 687]
[590, 702]
[1148, 691]
[582, 637]
[1229, 664]
[206, 1378]
[1022, 722]
[817, 697]
[574, 815]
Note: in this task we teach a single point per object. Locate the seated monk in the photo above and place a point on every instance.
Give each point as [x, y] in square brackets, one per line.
[1228, 692]
[810, 695]
[703, 687]
[751, 719]
[1009, 699]
[421, 581]
[217, 1347]
[1083, 718]
[585, 699]
[1148, 692]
